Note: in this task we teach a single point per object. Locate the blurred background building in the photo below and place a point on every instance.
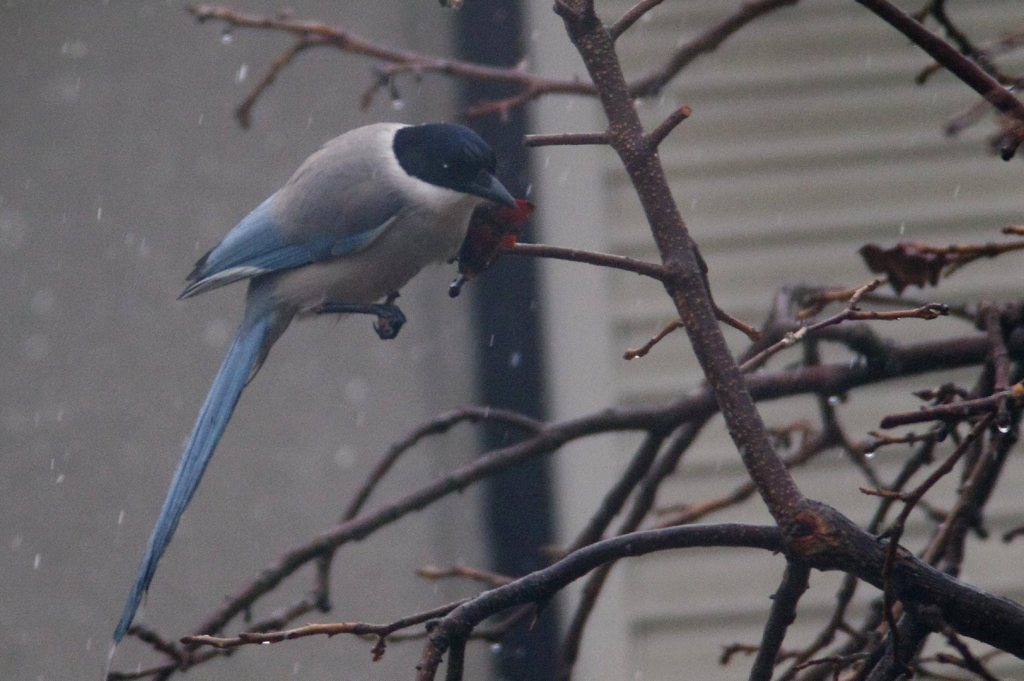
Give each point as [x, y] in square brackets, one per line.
[122, 164]
[808, 139]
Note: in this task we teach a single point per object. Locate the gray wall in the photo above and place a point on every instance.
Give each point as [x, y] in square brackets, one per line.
[121, 164]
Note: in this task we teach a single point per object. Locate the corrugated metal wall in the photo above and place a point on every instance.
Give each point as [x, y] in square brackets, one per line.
[808, 139]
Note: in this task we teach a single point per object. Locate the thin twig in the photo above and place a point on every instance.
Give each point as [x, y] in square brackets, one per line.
[319, 34]
[617, 495]
[566, 139]
[243, 112]
[1012, 534]
[948, 526]
[957, 411]
[983, 58]
[632, 15]
[436, 426]
[532, 86]
[330, 629]
[933, 618]
[746, 329]
[619, 262]
[851, 313]
[634, 353]
[691, 513]
[895, 530]
[665, 128]
[157, 642]
[837, 662]
[433, 572]
[643, 502]
[653, 81]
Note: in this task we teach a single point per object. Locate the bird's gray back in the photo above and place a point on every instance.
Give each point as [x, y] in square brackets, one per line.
[344, 189]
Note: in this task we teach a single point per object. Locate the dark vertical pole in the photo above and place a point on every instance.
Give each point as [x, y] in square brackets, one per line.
[507, 321]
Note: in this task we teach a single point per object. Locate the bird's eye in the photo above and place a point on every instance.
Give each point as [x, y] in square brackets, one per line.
[445, 165]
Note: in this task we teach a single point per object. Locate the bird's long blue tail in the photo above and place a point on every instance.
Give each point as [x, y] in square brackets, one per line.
[243, 358]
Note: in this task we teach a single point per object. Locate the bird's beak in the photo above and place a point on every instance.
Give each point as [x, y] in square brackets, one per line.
[488, 186]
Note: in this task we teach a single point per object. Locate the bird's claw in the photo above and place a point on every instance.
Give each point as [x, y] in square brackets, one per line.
[390, 320]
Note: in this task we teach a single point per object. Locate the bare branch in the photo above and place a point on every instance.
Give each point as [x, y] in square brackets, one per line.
[956, 63]
[616, 497]
[643, 502]
[795, 581]
[827, 379]
[632, 15]
[652, 82]
[634, 353]
[852, 312]
[319, 34]
[436, 426]
[395, 61]
[957, 411]
[432, 572]
[691, 513]
[381, 631]
[542, 584]
[244, 110]
[547, 440]
[619, 262]
[970, 661]
[721, 315]
[566, 139]
[658, 135]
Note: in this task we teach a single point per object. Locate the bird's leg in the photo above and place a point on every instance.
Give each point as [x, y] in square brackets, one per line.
[389, 317]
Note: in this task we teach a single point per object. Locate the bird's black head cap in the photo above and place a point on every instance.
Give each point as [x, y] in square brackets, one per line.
[446, 155]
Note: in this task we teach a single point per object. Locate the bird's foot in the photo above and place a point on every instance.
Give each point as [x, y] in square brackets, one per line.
[389, 321]
[389, 317]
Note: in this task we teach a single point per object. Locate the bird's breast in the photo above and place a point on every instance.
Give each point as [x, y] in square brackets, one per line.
[415, 239]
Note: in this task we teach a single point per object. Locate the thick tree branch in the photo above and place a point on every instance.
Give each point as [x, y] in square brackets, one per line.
[541, 585]
[827, 379]
[795, 581]
[686, 283]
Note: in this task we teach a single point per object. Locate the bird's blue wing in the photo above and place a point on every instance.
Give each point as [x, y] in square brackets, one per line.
[265, 242]
[337, 202]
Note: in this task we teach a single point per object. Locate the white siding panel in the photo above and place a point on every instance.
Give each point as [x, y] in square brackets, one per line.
[808, 139]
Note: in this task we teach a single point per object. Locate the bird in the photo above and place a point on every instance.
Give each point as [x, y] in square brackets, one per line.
[356, 221]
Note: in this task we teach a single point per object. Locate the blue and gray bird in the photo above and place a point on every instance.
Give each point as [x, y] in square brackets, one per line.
[357, 220]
